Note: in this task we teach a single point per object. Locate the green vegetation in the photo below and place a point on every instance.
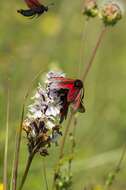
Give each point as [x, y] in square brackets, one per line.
[28, 46]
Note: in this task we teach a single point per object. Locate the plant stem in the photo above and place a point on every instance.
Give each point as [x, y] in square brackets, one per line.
[73, 144]
[17, 149]
[11, 179]
[65, 136]
[72, 114]
[29, 161]
[82, 46]
[121, 157]
[45, 174]
[62, 148]
[113, 175]
[5, 181]
[89, 64]
[84, 76]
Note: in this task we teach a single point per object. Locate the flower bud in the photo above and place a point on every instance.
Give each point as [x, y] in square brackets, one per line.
[111, 13]
[90, 8]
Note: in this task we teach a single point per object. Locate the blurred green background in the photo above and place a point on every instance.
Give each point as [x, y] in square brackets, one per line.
[53, 41]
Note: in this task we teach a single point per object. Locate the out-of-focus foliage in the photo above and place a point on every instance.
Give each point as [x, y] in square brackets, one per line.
[54, 40]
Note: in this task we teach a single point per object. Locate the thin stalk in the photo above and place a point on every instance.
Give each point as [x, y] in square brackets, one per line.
[65, 136]
[29, 161]
[11, 180]
[62, 148]
[84, 76]
[117, 169]
[45, 174]
[90, 62]
[18, 135]
[72, 114]
[28, 164]
[72, 145]
[82, 46]
[121, 158]
[5, 180]
[17, 150]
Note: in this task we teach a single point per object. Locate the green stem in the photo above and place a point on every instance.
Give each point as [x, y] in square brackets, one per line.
[29, 161]
[62, 149]
[113, 175]
[65, 136]
[5, 180]
[45, 174]
[72, 114]
[17, 150]
[73, 144]
[89, 64]
[82, 46]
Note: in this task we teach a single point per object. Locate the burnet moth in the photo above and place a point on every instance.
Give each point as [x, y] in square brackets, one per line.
[35, 9]
[71, 92]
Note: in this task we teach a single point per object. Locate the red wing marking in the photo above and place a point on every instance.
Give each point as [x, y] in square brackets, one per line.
[32, 3]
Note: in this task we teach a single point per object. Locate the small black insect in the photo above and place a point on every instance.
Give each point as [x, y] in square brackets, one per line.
[35, 9]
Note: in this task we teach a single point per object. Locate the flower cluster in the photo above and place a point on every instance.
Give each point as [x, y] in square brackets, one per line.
[64, 181]
[110, 13]
[90, 8]
[50, 106]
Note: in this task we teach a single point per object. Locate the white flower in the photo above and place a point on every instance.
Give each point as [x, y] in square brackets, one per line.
[52, 111]
[50, 125]
[43, 119]
[55, 74]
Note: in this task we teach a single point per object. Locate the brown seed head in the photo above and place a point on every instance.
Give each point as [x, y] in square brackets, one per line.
[90, 8]
[111, 13]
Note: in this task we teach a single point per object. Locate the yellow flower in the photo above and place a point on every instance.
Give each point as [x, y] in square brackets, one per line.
[1, 186]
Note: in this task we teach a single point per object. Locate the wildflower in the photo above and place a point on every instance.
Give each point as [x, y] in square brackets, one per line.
[111, 13]
[1, 186]
[50, 106]
[90, 8]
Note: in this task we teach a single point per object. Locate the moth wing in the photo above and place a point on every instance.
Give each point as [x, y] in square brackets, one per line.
[32, 3]
[72, 94]
[63, 83]
[66, 83]
[77, 104]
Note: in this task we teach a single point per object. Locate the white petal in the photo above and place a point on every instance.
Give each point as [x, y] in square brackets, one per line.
[50, 124]
[52, 111]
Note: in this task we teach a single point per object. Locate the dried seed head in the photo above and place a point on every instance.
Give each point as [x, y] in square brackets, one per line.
[90, 8]
[111, 13]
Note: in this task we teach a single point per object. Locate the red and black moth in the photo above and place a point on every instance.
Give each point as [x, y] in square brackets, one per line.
[71, 92]
[35, 9]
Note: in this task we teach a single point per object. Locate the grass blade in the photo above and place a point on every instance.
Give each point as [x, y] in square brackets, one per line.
[5, 180]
